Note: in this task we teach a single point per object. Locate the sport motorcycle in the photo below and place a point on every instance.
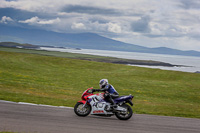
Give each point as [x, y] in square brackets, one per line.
[95, 104]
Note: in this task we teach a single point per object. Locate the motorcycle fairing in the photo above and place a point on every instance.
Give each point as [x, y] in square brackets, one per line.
[98, 105]
[122, 98]
[83, 101]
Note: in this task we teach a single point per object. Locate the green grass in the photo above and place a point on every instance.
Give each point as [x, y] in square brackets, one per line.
[61, 81]
[84, 56]
[6, 132]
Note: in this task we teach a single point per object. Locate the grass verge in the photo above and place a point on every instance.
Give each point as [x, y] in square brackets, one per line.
[88, 57]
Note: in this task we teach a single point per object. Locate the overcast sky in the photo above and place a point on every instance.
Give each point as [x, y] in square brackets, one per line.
[150, 23]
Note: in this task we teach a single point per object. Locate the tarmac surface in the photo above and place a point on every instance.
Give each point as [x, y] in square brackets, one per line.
[27, 118]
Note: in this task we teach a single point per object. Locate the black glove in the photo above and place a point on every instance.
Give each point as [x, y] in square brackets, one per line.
[93, 90]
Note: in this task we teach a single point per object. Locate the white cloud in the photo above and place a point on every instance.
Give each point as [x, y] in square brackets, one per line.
[36, 20]
[6, 19]
[32, 20]
[115, 28]
[52, 21]
[78, 26]
[28, 5]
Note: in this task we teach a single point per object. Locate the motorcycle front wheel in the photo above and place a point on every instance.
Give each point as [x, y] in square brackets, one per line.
[82, 111]
[125, 115]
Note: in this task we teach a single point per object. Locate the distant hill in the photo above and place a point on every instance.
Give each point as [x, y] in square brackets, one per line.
[17, 45]
[78, 40]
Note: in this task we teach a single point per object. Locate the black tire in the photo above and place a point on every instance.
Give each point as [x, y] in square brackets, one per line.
[82, 111]
[125, 116]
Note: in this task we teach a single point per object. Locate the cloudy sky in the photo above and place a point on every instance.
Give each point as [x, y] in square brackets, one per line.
[150, 23]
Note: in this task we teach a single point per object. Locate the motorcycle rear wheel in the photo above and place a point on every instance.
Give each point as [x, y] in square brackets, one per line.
[80, 111]
[125, 116]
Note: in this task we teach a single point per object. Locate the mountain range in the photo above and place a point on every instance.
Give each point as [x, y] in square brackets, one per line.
[78, 40]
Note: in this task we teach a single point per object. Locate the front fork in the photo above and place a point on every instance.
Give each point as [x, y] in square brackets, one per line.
[84, 104]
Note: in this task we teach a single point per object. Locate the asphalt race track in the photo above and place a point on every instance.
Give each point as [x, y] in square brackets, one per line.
[25, 118]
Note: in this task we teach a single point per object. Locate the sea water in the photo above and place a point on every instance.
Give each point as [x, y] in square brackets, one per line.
[189, 63]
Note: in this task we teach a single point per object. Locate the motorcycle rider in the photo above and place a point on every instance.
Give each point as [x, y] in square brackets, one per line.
[109, 90]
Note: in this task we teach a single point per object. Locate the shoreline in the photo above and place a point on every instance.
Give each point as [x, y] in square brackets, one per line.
[134, 62]
[90, 57]
[116, 60]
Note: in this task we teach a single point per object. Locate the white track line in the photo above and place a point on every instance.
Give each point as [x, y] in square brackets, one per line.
[36, 104]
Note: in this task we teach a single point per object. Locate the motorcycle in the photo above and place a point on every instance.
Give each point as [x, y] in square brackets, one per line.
[95, 104]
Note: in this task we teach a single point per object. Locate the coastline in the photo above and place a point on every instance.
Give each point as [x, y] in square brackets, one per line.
[115, 60]
[158, 61]
[86, 56]
[131, 62]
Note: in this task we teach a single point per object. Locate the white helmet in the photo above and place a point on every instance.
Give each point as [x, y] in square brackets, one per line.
[103, 83]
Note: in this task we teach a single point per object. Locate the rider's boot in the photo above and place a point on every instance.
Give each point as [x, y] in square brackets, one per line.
[113, 104]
